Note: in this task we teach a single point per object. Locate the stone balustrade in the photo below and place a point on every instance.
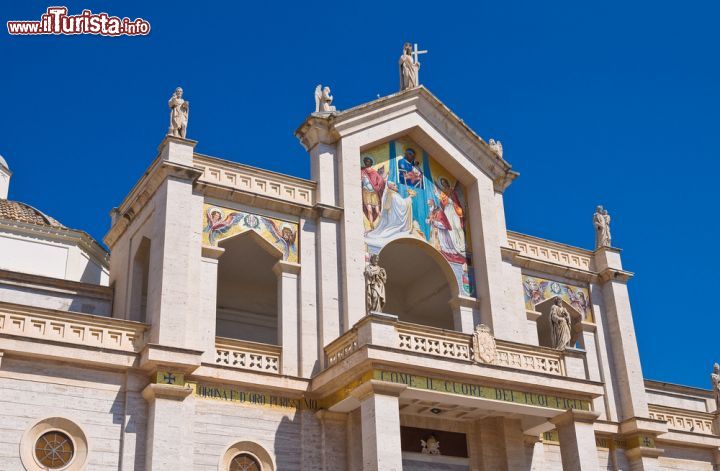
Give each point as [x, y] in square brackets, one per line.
[684, 420]
[246, 355]
[385, 330]
[71, 328]
[546, 250]
[254, 180]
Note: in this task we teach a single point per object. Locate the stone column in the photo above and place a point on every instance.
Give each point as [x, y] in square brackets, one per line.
[537, 456]
[577, 440]
[465, 313]
[288, 310]
[169, 434]
[621, 334]
[380, 425]
[207, 317]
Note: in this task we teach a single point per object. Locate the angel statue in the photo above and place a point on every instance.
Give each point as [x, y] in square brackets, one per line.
[375, 278]
[431, 446]
[496, 147]
[323, 100]
[179, 114]
[284, 237]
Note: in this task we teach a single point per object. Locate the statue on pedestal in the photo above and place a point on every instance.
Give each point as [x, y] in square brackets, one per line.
[484, 349]
[496, 146]
[375, 278]
[409, 67]
[179, 113]
[601, 221]
[715, 380]
[323, 100]
[559, 325]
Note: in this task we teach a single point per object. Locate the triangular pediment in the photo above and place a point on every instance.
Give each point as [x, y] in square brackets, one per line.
[419, 115]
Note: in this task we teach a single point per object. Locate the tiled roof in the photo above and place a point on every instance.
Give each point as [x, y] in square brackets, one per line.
[21, 212]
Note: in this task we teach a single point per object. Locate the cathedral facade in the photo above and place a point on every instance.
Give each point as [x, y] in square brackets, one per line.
[379, 316]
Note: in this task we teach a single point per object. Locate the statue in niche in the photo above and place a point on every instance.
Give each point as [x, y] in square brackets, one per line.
[484, 350]
[601, 221]
[559, 325]
[375, 278]
[496, 147]
[431, 446]
[715, 379]
[323, 100]
[409, 68]
[179, 113]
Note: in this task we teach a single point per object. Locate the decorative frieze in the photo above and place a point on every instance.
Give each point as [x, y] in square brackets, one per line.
[440, 345]
[529, 358]
[684, 420]
[338, 351]
[253, 180]
[245, 355]
[67, 327]
[546, 250]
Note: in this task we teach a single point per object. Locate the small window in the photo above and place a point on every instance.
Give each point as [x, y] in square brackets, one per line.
[244, 462]
[55, 450]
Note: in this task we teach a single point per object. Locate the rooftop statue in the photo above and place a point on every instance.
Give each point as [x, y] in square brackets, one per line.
[323, 100]
[715, 379]
[601, 221]
[179, 113]
[409, 67]
[496, 146]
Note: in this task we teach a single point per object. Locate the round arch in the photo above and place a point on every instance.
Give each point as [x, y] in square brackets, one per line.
[249, 448]
[420, 283]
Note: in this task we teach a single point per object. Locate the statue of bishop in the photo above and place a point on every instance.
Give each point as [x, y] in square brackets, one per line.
[179, 113]
[375, 278]
[408, 69]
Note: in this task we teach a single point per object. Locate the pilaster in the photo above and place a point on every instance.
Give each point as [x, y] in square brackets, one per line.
[465, 313]
[288, 311]
[577, 440]
[207, 318]
[380, 424]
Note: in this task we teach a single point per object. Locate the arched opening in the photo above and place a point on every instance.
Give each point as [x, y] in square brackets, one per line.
[247, 289]
[420, 283]
[139, 286]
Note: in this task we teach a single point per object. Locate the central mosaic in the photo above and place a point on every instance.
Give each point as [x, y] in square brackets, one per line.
[406, 193]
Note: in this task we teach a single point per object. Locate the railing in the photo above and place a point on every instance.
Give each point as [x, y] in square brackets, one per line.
[72, 328]
[386, 331]
[342, 348]
[246, 355]
[541, 249]
[255, 180]
[684, 420]
[529, 358]
[433, 341]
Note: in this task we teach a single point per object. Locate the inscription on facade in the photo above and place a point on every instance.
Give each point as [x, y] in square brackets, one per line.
[238, 395]
[483, 392]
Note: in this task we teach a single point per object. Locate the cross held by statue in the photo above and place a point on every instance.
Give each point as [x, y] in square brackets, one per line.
[416, 53]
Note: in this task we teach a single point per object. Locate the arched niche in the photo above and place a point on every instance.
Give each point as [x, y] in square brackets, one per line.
[420, 283]
[247, 289]
[544, 323]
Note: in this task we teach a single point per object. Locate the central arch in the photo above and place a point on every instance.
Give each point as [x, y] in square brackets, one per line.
[420, 283]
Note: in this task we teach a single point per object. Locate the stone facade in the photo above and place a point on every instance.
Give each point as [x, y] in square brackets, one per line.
[234, 324]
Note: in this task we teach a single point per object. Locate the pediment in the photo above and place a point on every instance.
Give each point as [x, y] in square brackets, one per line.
[419, 115]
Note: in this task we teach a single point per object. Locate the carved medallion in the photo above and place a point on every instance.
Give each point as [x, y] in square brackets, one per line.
[484, 350]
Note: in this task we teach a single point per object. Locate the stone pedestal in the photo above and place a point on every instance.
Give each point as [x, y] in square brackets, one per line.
[288, 328]
[577, 440]
[465, 314]
[380, 425]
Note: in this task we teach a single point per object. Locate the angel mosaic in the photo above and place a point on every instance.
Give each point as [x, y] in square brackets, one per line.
[221, 224]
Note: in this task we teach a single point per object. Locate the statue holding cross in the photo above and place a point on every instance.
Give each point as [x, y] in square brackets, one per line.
[410, 66]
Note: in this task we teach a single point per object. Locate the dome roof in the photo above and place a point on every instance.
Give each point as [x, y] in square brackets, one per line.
[21, 212]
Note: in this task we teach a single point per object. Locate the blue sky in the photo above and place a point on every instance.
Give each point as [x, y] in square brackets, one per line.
[595, 102]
